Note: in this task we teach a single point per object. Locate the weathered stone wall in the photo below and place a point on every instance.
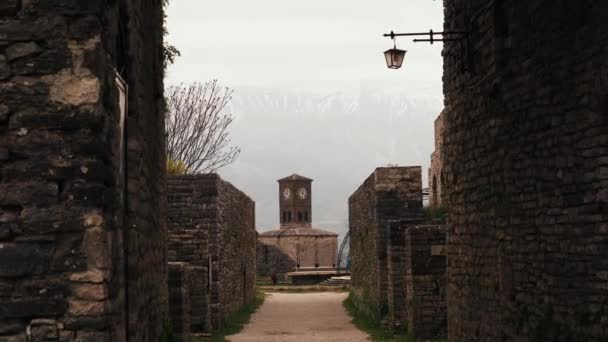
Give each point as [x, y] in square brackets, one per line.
[180, 306]
[435, 174]
[272, 259]
[391, 193]
[417, 279]
[190, 218]
[425, 279]
[212, 224]
[189, 221]
[188, 301]
[236, 248]
[396, 259]
[146, 167]
[62, 204]
[526, 167]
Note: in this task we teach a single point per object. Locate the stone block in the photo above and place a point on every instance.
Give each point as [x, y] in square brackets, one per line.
[20, 260]
[10, 327]
[34, 307]
[5, 71]
[9, 7]
[20, 50]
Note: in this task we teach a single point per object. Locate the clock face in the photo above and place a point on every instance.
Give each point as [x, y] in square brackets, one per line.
[286, 193]
[302, 193]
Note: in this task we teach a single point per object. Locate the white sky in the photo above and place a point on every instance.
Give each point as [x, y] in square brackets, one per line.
[311, 44]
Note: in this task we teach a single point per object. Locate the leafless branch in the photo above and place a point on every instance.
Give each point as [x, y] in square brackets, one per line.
[197, 126]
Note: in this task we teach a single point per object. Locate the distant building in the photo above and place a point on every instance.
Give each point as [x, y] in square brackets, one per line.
[296, 245]
[436, 179]
[426, 197]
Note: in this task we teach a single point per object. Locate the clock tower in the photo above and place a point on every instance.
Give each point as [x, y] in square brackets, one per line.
[295, 209]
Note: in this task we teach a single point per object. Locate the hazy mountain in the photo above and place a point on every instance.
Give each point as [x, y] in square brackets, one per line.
[335, 138]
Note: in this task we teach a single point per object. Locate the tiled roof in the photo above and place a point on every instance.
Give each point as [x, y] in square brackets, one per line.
[295, 177]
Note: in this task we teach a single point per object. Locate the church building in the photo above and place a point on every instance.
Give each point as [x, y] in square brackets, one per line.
[296, 245]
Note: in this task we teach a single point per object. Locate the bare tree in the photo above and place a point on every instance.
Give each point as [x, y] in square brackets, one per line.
[197, 127]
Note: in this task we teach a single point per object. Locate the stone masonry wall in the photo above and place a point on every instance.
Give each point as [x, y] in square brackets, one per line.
[142, 52]
[435, 172]
[417, 279]
[212, 224]
[180, 305]
[271, 259]
[425, 279]
[396, 256]
[188, 301]
[189, 221]
[391, 193]
[62, 203]
[526, 167]
[236, 248]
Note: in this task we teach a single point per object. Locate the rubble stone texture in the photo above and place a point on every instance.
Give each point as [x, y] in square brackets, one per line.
[388, 194]
[212, 224]
[526, 168]
[67, 224]
[425, 279]
[180, 306]
[435, 172]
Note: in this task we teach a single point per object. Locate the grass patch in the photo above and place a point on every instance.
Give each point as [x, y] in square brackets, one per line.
[372, 327]
[235, 323]
[435, 215]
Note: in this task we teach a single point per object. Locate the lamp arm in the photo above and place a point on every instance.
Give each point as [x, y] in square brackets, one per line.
[431, 34]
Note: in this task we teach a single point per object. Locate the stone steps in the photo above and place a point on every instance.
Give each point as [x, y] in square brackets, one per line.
[336, 281]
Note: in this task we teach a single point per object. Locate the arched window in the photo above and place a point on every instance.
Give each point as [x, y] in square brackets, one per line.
[284, 216]
[289, 216]
[299, 216]
[265, 254]
[306, 216]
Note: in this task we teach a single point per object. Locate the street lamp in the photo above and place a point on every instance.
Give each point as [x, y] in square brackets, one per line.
[394, 57]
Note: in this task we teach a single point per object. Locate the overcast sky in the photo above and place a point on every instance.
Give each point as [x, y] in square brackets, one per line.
[303, 44]
[271, 50]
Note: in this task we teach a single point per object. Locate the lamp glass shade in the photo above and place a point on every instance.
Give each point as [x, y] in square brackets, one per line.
[394, 58]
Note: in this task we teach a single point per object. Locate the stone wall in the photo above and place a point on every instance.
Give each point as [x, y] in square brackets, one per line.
[435, 172]
[180, 306]
[188, 301]
[417, 279]
[271, 259]
[392, 193]
[63, 242]
[397, 317]
[425, 279]
[235, 247]
[212, 224]
[526, 168]
[287, 250]
[142, 53]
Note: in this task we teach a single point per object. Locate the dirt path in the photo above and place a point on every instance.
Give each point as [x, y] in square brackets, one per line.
[302, 317]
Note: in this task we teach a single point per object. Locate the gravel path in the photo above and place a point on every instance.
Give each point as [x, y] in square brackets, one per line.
[302, 317]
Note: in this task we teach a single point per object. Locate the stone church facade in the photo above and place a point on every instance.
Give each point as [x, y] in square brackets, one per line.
[296, 245]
